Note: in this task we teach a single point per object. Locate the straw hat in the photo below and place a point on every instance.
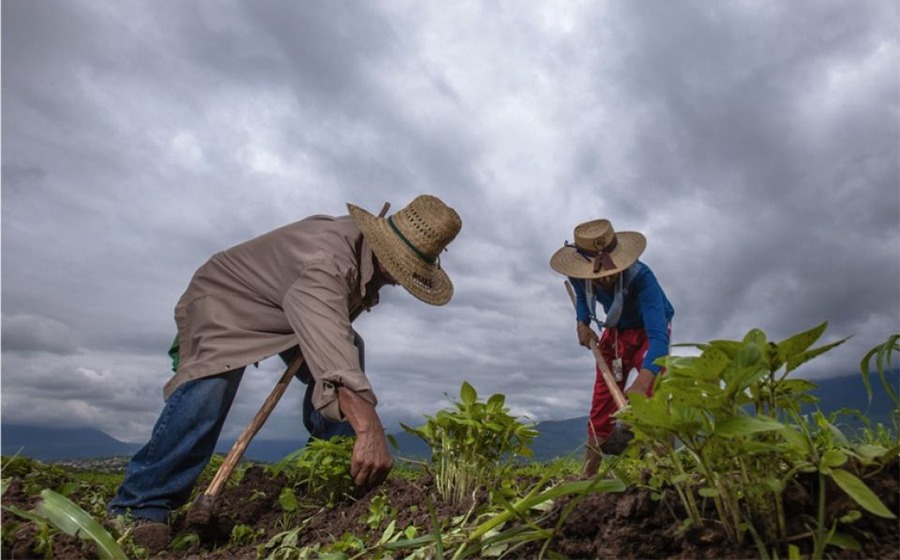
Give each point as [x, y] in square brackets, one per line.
[598, 251]
[409, 244]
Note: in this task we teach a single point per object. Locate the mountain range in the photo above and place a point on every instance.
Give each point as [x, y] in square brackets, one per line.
[557, 438]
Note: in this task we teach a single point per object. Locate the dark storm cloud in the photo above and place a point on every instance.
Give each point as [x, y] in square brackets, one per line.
[753, 143]
[751, 111]
[28, 333]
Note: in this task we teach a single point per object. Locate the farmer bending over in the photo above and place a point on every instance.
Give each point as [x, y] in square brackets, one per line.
[603, 266]
[297, 288]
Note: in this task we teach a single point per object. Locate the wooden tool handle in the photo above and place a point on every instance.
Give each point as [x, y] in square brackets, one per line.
[237, 450]
[605, 373]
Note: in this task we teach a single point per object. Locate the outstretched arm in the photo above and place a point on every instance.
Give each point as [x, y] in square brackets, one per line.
[371, 461]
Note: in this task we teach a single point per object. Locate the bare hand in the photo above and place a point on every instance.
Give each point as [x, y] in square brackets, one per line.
[586, 335]
[371, 460]
[643, 383]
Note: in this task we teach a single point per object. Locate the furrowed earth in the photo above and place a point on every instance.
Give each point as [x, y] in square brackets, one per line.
[628, 524]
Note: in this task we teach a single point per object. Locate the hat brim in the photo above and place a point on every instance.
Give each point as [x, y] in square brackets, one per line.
[629, 246]
[425, 281]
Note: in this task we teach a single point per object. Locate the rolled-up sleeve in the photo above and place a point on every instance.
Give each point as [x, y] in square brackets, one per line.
[316, 306]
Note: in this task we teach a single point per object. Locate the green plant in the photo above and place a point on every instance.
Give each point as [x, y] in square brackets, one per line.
[882, 355]
[185, 541]
[738, 419]
[35, 476]
[242, 534]
[289, 506]
[473, 445]
[322, 468]
[283, 546]
[820, 449]
[57, 511]
[379, 510]
[493, 535]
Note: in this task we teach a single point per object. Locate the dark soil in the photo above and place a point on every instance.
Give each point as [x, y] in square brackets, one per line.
[624, 525]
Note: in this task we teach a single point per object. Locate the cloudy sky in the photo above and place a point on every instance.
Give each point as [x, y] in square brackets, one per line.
[756, 144]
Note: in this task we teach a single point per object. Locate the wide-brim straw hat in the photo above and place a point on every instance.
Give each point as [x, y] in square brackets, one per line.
[598, 251]
[409, 244]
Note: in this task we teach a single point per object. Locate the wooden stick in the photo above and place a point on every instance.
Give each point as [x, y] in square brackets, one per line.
[237, 450]
[605, 372]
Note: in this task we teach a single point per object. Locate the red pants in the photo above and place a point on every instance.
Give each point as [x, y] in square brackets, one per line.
[632, 346]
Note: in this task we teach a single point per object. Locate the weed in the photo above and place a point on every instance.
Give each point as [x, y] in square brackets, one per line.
[472, 446]
[322, 468]
[243, 534]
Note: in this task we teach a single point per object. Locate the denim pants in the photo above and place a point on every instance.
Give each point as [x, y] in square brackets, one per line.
[161, 475]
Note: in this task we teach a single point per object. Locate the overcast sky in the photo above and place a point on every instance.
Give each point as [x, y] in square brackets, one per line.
[756, 144]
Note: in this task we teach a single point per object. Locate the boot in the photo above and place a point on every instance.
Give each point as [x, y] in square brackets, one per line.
[152, 535]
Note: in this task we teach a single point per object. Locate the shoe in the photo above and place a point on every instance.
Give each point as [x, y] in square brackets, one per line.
[152, 535]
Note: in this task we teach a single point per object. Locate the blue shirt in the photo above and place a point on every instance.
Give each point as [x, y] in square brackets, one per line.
[645, 306]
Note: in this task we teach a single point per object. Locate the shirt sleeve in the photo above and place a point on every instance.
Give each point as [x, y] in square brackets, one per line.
[316, 306]
[582, 308]
[653, 314]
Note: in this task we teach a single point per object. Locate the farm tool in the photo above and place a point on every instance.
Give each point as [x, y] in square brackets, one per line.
[620, 437]
[201, 511]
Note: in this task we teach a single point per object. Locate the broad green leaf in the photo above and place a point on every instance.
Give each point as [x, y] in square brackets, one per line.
[739, 379]
[497, 401]
[388, 533]
[797, 440]
[288, 499]
[746, 425]
[845, 541]
[467, 393]
[729, 347]
[708, 492]
[799, 342]
[63, 514]
[857, 489]
[799, 359]
[709, 365]
[756, 337]
[871, 451]
[794, 386]
[834, 458]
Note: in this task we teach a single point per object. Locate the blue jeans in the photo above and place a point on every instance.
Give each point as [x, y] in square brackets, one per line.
[161, 475]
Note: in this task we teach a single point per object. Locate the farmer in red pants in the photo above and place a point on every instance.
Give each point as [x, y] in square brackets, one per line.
[603, 267]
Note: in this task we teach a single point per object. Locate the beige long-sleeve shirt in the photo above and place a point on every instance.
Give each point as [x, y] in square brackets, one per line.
[302, 284]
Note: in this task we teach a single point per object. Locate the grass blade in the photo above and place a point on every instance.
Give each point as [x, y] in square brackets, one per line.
[63, 514]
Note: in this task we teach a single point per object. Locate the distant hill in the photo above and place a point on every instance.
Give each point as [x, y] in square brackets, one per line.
[848, 392]
[557, 438]
[56, 444]
[51, 444]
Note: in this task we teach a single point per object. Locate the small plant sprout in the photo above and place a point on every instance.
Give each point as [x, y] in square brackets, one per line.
[473, 445]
